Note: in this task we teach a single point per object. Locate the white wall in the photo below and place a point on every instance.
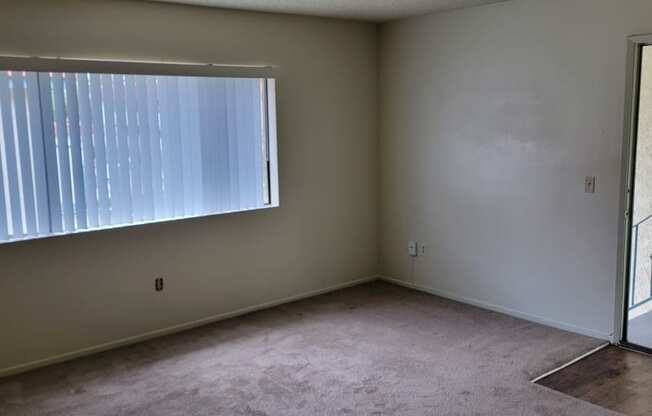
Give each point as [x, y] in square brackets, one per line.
[490, 119]
[62, 294]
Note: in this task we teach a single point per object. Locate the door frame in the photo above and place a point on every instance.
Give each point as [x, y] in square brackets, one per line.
[635, 46]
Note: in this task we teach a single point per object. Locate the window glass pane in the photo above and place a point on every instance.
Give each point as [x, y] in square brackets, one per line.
[82, 151]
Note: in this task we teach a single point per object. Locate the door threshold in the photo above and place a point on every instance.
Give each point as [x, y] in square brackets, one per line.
[635, 348]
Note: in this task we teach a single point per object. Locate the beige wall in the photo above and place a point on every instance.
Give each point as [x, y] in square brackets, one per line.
[61, 294]
[490, 119]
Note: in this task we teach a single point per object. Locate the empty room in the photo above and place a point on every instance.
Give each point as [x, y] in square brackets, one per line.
[325, 207]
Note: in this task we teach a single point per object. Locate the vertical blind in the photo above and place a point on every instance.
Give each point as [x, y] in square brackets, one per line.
[82, 151]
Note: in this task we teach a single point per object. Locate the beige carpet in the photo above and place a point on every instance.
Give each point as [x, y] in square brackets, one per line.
[375, 349]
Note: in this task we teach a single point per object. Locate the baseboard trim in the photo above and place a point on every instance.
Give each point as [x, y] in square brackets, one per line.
[32, 365]
[501, 309]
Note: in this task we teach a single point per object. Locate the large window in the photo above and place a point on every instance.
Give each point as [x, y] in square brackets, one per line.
[85, 151]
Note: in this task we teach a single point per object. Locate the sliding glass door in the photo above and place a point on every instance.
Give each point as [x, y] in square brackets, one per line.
[638, 313]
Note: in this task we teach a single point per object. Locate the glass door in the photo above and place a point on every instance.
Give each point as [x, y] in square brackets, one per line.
[638, 314]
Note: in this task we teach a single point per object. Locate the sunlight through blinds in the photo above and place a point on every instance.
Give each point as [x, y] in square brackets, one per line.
[82, 151]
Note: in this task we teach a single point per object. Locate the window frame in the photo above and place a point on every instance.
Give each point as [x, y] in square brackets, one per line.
[129, 67]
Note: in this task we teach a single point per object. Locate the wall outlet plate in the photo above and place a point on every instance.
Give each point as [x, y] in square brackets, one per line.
[412, 248]
[158, 284]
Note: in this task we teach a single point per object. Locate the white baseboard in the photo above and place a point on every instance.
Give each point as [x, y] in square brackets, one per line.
[20, 368]
[501, 309]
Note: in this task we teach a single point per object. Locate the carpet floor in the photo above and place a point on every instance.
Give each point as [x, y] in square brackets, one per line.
[375, 349]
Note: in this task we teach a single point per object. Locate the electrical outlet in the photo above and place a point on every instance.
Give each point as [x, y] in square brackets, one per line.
[412, 248]
[422, 249]
[158, 284]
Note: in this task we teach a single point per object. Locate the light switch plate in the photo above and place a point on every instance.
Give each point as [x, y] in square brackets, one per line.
[589, 184]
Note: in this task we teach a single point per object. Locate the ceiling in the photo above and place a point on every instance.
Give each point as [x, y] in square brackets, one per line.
[373, 10]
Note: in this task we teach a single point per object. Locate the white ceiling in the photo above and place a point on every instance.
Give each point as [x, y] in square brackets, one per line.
[374, 10]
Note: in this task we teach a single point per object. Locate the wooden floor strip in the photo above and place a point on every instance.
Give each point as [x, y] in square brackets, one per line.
[571, 362]
[614, 378]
